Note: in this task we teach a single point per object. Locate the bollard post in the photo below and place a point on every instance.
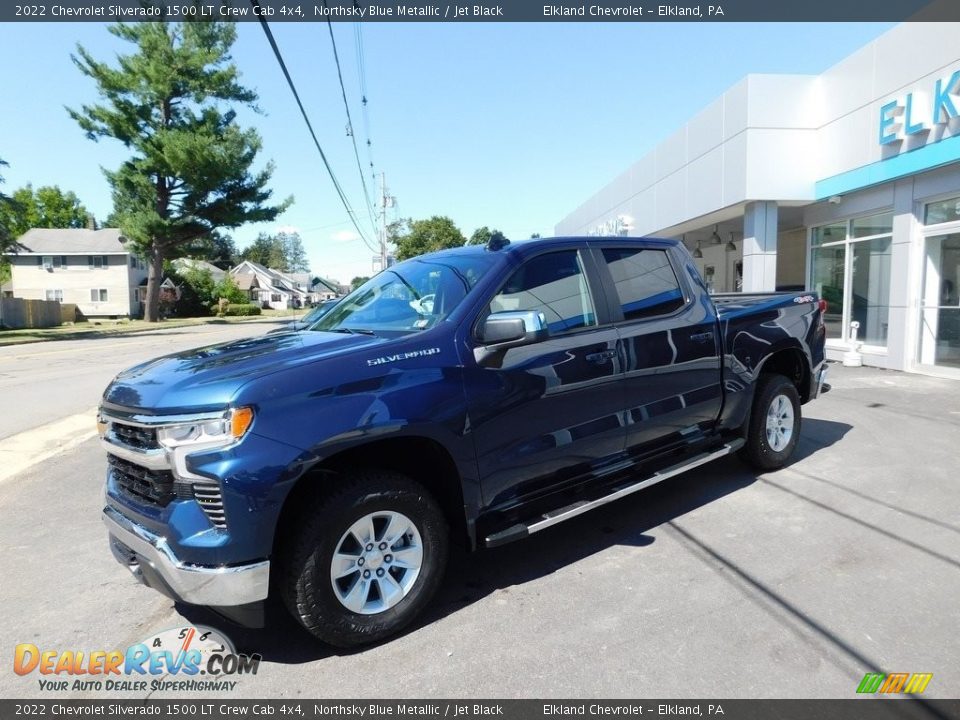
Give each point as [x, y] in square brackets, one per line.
[853, 358]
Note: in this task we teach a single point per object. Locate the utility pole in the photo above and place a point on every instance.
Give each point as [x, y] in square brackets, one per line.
[385, 202]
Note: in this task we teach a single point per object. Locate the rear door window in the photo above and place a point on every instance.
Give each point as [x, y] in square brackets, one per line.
[645, 281]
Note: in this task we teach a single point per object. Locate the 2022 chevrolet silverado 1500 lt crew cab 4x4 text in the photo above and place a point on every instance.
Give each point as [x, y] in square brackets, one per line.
[479, 394]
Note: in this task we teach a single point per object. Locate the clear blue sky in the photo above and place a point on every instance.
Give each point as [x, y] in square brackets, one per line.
[506, 125]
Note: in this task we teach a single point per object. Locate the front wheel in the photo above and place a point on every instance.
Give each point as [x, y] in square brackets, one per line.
[364, 559]
[774, 427]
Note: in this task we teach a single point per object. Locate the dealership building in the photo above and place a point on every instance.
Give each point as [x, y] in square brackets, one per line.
[846, 183]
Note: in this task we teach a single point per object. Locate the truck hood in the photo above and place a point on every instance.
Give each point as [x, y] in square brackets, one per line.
[208, 378]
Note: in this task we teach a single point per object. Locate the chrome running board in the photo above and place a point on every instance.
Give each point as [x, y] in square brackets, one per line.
[522, 530]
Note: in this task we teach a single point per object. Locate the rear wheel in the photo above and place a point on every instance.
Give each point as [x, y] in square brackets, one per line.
[774, 427]
[364, 559]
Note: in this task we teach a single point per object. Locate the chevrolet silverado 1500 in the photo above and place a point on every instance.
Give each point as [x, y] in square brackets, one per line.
[478, 394]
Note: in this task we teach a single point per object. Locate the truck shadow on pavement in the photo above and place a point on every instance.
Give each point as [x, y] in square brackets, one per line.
[471, 577]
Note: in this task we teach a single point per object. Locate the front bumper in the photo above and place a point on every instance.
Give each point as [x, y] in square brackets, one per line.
[149, 557]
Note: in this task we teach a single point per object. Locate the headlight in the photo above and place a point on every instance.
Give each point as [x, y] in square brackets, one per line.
[207, 433]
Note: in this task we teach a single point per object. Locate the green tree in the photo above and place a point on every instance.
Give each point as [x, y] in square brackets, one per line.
[199, 291]
[296, 254]
[260, 250]
[358, 281]
[47, 207]
[216, 248]
[534, 236]
[190, 169]
[196, 291]
[416, 237]
[7, 238]
[229, 291]
[480, 236]
[283, 251]
[498, 237]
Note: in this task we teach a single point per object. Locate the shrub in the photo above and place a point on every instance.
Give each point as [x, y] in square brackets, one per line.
[244, 309]
[227, 288]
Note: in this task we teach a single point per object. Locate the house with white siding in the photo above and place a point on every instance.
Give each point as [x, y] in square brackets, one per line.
[97, 270]
[268, 288]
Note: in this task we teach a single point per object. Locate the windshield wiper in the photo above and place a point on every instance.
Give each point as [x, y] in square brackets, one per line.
[353, 331]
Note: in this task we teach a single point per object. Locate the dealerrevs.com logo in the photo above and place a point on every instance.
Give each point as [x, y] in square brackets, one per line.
[181, 659]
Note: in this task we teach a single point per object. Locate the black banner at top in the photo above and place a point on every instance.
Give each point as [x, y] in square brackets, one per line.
[481, 10]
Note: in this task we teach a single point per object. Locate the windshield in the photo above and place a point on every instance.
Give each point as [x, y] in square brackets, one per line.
[318, 312]
[409, 297]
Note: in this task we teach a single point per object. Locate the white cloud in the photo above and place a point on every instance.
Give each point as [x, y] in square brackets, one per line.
[344, 236]
[290, 229]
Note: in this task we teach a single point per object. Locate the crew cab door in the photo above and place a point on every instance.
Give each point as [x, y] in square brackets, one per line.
[547, 413]
[668, 346]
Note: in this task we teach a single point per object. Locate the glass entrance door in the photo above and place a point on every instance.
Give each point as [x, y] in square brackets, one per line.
[940, 307]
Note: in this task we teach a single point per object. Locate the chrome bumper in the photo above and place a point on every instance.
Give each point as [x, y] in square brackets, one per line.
[152, 562]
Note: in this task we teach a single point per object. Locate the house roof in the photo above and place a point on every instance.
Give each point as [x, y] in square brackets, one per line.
[194, 264]
[246, 281]
[297, 278]
[167, 283]
[59, 241]
[271, 278]
[332, 285]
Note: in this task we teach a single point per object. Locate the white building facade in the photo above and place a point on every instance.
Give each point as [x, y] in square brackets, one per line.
[846, 183]
[97, 270]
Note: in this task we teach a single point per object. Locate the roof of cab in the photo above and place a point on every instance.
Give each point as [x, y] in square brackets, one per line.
[527, 246]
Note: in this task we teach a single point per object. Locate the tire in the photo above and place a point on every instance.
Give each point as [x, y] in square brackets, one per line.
[774, 425]
[383, 590]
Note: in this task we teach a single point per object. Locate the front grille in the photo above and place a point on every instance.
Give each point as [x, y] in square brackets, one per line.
[141, 438]
[152, 487]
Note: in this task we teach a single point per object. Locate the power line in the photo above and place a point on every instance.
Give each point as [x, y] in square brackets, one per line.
[306, 119]
[362, 76]
[346, 107]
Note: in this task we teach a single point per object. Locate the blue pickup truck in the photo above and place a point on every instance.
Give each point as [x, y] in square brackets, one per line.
[474, 395]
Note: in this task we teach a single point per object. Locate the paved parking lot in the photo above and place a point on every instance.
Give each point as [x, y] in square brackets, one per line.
[720, 583]
[47, 381]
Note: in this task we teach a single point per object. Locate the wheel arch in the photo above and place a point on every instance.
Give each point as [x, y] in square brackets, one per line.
[791, 362]
[419, 457]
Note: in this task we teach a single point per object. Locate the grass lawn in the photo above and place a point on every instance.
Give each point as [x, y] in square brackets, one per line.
[101, 328]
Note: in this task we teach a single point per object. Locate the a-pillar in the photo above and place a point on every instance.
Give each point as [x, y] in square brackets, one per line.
[760, 247]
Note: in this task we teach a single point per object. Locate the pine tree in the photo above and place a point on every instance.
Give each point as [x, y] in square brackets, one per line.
[190, 170]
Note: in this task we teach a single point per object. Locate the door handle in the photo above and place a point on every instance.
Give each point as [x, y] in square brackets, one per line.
[702, 337]
[601, 357]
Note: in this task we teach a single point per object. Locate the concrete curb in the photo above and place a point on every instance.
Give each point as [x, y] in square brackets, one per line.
[24, 450]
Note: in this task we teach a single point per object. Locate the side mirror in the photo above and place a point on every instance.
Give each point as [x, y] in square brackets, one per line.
[504, 330]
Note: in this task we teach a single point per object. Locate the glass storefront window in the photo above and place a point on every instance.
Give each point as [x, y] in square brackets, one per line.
[942, 212]
[852, 274]
[829, 233]
[873, 225]
[828, 277]
[870, 289]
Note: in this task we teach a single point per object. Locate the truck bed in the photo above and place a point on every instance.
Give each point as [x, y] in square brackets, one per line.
[734, 305]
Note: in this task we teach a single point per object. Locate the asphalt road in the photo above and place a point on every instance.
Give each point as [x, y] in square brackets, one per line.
[717, 584]
[46, 381]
